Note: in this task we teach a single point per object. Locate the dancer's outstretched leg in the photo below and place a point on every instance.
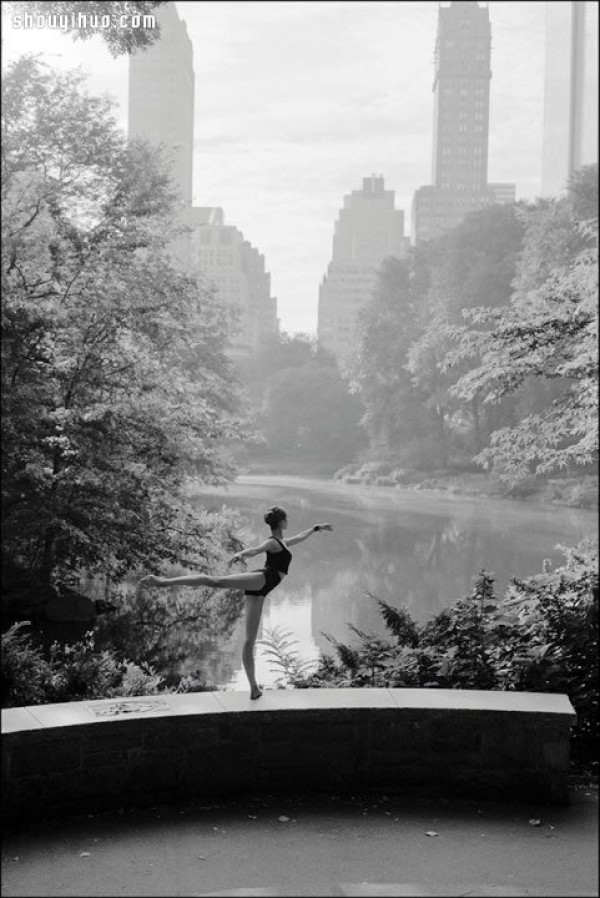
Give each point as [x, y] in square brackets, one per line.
[254, 606]
[252, 580]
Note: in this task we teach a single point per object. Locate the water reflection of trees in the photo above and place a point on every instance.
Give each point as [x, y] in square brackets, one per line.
[423, 567]
[176, 632]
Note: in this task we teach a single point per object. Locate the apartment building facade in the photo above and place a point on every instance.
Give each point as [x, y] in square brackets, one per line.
[369, 228]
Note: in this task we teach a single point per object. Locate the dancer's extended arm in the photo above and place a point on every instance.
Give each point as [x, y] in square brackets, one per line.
[254, 550]
[300, 537]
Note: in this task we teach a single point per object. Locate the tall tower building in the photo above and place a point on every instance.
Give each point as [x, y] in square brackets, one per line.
[461, 95]
[161, 102]
[220, 254]
[161, 110]
[368, 229]
[570, 92]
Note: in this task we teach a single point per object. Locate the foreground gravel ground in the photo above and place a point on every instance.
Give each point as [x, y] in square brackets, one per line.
[308, 846]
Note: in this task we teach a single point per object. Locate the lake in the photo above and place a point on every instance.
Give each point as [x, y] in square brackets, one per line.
[418, 550]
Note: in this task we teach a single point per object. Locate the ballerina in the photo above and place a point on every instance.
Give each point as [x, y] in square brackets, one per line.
[256, 584]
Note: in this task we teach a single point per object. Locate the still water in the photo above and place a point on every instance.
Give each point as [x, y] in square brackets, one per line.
[418, 550]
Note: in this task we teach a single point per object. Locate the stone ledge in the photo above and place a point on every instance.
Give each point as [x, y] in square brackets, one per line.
[556, 706]
[135, 751]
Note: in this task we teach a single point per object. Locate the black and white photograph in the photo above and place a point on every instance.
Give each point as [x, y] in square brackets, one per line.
[300, 583]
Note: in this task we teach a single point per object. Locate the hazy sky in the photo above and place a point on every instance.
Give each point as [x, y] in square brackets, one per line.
[296, 102]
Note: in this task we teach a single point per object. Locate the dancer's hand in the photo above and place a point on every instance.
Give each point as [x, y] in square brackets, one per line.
[325, 526]
[237, 557]
[151, 580]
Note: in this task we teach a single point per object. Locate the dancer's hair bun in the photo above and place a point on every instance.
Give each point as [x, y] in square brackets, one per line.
[275, 515]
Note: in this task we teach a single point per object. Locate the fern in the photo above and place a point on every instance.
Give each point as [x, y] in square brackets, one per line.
[360, 633]
[399, 622]
[278, 647]
[349, 657]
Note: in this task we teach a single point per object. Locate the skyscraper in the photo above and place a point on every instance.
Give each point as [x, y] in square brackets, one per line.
[570, 92]
[161, 110]
[220, 254]
[161, 97]
[461, 93]
[368, 229]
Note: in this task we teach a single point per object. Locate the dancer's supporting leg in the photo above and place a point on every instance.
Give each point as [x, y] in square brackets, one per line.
[254, 606]
[253, 581]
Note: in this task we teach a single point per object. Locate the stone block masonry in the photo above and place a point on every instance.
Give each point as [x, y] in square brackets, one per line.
[97, 755]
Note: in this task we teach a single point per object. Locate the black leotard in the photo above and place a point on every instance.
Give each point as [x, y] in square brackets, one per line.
[277, 563]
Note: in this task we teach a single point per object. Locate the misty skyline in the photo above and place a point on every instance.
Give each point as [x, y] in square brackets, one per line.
[296, 102]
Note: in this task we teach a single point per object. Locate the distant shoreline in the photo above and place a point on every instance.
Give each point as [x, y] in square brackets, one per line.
[570, 492]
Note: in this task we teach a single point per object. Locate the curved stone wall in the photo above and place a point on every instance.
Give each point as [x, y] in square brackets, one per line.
[94, 755]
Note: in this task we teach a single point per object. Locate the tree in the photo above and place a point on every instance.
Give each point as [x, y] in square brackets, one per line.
[310, 414]
[393, 415]
[123, 25]
[115, 383]
[552, 236]
[582, 192]
[552, 239]
[300, 402]
[473, 263]
[276, 353]
[424, 363]
[550, 333]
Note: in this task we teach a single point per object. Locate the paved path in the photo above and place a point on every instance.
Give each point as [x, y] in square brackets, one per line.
[326, 846]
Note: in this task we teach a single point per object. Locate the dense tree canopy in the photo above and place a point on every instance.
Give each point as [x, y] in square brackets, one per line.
[115, 383]
[474, 263]
[388, 325]
[276, 353]
[550, 333]
[541, 346]
[302, 405]
[310, 414]
[515, 388]
[582, 192]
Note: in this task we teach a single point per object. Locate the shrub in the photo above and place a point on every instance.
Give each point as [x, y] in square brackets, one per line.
[553, 622]
[542, 636]
[70, 673]
[25, 673]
